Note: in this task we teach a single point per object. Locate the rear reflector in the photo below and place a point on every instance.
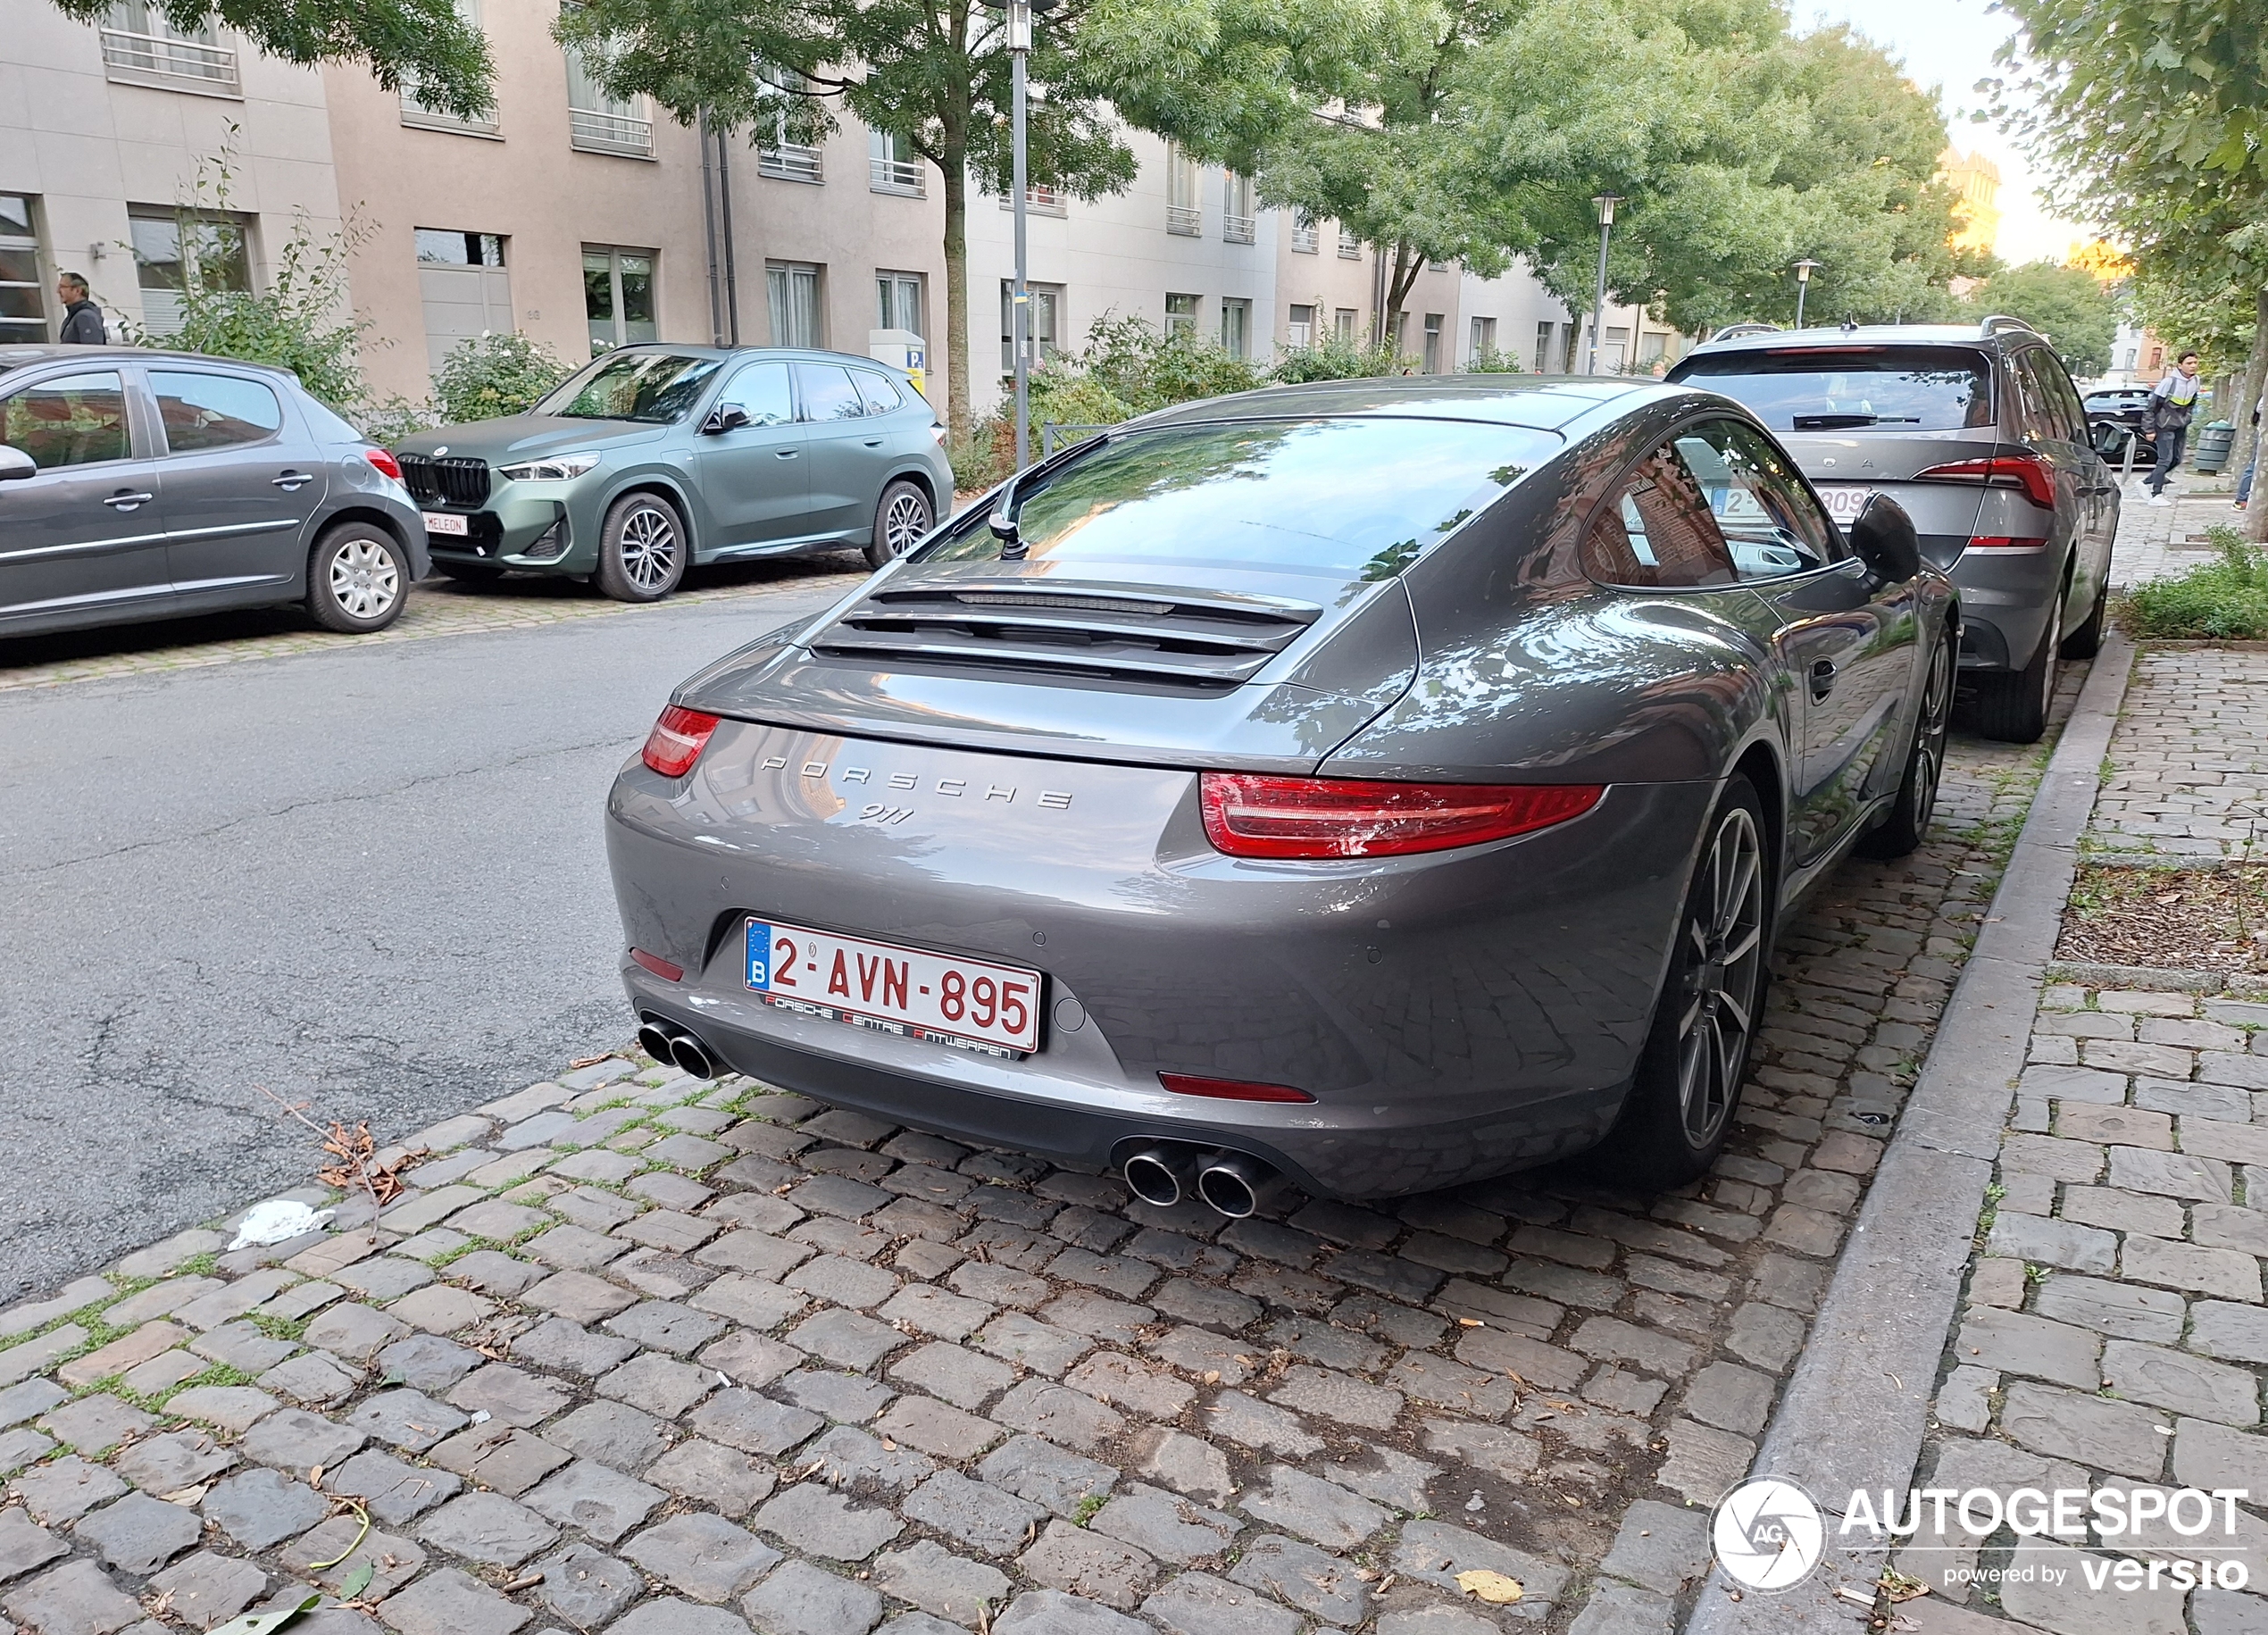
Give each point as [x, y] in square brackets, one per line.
[1229, 1090]
[1253, 815]
[387, 464]
[2029, 472]
[2006, 545]
[659, 966]
[677, 740]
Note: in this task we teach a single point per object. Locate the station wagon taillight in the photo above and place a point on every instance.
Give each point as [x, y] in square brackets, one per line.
[677, 740]
[1256, 815]
[2029, 472]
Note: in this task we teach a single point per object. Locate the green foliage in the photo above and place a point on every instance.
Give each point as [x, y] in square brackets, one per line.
[2225, 598]
[1494, 360]
[2217, 316]
[1146, 368]
[491, 376]
[2064, 303]
[1333, 359]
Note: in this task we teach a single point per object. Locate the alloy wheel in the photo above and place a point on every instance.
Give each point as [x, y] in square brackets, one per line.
[903, 523]
[1723, 953]
[364, 579]
[648, 545]
[1929, 744]
[2055, 656]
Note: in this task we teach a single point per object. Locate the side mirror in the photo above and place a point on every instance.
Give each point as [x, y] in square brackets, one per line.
[15, 465]
[1883, 536]
[725, 417]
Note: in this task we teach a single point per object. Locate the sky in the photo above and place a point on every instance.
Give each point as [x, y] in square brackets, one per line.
[1949, 44]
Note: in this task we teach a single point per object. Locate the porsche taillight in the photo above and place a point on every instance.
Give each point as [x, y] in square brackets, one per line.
[1257, 815]
[677, 740]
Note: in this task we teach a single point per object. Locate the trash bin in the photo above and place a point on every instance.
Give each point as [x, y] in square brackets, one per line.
[2213, 442]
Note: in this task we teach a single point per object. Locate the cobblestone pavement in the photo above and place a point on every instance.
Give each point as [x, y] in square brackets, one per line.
[2155, 541]
[675, 1357]
[2114, 1331]
[436, 607]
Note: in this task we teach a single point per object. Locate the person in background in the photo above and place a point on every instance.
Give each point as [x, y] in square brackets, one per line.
[2244, 483]
[82, 319]
[2174, 401]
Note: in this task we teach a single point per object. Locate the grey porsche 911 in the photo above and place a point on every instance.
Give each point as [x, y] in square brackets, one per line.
[1379, 785]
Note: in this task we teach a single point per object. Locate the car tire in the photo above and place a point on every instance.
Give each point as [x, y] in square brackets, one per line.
[901, 517]
[1907, 822]
[2087, 641]
[358, 579]
[468, 572]
[2011, 705]
[1687, 1088]
[642, 548]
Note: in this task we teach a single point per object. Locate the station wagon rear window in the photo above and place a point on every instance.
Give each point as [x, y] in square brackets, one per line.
[1857, 388]
[1353, 497]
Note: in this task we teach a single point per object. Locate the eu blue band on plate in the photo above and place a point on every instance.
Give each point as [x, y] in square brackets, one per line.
[759, 972]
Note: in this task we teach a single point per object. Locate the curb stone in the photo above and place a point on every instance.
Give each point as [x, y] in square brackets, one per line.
[1889, 1308]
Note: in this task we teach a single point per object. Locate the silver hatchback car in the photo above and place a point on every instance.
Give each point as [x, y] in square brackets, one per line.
[139, 485]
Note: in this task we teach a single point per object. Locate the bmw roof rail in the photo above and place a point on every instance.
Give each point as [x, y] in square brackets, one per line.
[1731, 329]
[2002, 321]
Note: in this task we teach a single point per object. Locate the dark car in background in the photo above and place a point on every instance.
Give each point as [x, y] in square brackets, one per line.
[656, 457]
[1977, 431]
[1382, 784]
[136, 484]
[2114, 417]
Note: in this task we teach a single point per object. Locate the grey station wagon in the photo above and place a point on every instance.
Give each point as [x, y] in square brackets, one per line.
[147, 485]
[656, 457]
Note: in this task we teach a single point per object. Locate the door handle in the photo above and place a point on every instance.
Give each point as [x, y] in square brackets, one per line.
[125, 499]
[785, 454]
[291, 482]
[1822, 678]
[873, 442]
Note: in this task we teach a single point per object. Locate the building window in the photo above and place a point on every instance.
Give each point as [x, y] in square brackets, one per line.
[793, 290]
[23, 292]
[1237, 222]
[1652, 346]
[1046, 311]
[1181, 314]
[141, 46]
[173, 247]
[1401, 334]
[597, 123]
[1544, 332]
[1342, 325]
[1614, 349]
[416, 114]
[463, 288]
[1183, 213]
[1303, 233]
[779, 158]
[1236, 327]
[897, 302]
[1301, 330]
[1433, 322]
[618, 296]
[893, 166]
[1484, 339]
[1350, 247]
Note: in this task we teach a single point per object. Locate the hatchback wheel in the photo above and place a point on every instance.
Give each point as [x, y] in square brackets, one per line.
[1681, 1099]
[901, 518]
[356, 581]
[1907, 821]
[642, 549]
[2011, 705]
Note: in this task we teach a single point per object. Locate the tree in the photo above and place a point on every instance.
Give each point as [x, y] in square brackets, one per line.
[420, 42]
[2153, 117]
[2065, 304]
[935, 73]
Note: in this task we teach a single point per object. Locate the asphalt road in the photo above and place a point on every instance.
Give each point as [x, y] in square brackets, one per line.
[368, 879]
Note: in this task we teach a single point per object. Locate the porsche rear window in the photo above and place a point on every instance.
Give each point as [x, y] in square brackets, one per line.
[1813, 388]
[1353, 497]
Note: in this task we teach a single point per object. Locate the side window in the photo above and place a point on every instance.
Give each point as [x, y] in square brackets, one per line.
[201, 411]
[2058, 381]
[77, 419]
[880, 394]
[828, 392]
[2036, 413]
[1771, 523]
[762, 389]
[1657, 532]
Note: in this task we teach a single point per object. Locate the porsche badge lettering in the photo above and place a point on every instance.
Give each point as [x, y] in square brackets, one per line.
[1053, 800]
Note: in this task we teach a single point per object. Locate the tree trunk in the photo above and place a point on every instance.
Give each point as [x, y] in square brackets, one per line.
[1407, 264]
[2249, 435]
[955, 169]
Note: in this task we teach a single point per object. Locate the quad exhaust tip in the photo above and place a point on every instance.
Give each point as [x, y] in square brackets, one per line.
[1232, 1183]
[666, 1043]
[1159, 1175]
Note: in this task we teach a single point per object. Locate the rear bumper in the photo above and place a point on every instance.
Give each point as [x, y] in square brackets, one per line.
[2004, 603]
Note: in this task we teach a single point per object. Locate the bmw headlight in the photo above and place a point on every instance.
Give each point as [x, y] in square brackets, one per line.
[555, 467]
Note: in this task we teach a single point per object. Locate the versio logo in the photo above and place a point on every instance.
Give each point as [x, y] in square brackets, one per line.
[1768, 1533]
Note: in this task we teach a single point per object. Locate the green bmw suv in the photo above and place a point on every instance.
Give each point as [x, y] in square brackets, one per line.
[658, 456]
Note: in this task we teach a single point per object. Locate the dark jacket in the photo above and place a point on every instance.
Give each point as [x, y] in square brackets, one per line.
[83, 325]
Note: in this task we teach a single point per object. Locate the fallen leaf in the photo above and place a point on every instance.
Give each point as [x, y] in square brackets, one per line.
[261, 1624]
[1470, 1323]
[1213, 1376]
[1493, 1588]
[579, 1062]
[186, 1496]
[351, 1586]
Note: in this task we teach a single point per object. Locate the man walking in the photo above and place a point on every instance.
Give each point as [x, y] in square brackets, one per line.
[82, 319]
[2173, 401]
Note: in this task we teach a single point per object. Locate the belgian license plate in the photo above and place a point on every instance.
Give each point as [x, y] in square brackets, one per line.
[970, 1003]
[442, 522]
[1845, 500]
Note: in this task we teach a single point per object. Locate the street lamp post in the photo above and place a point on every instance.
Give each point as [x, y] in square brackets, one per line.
[1804, 270]
[1020, 294]
[1606, 202]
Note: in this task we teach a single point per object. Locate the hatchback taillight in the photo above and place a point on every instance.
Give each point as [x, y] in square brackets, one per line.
[387, 464]
[1254, 815]
[677, 740]
[2029, 472]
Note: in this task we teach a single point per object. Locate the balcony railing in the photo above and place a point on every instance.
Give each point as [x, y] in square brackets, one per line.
[1237, 229]
[903, 176]
[1350, 247]
[593, 132]
[418, 116]
[1184, 220]
[1046, 200]
[172, 64]
[789, 161]
[1304, 238]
